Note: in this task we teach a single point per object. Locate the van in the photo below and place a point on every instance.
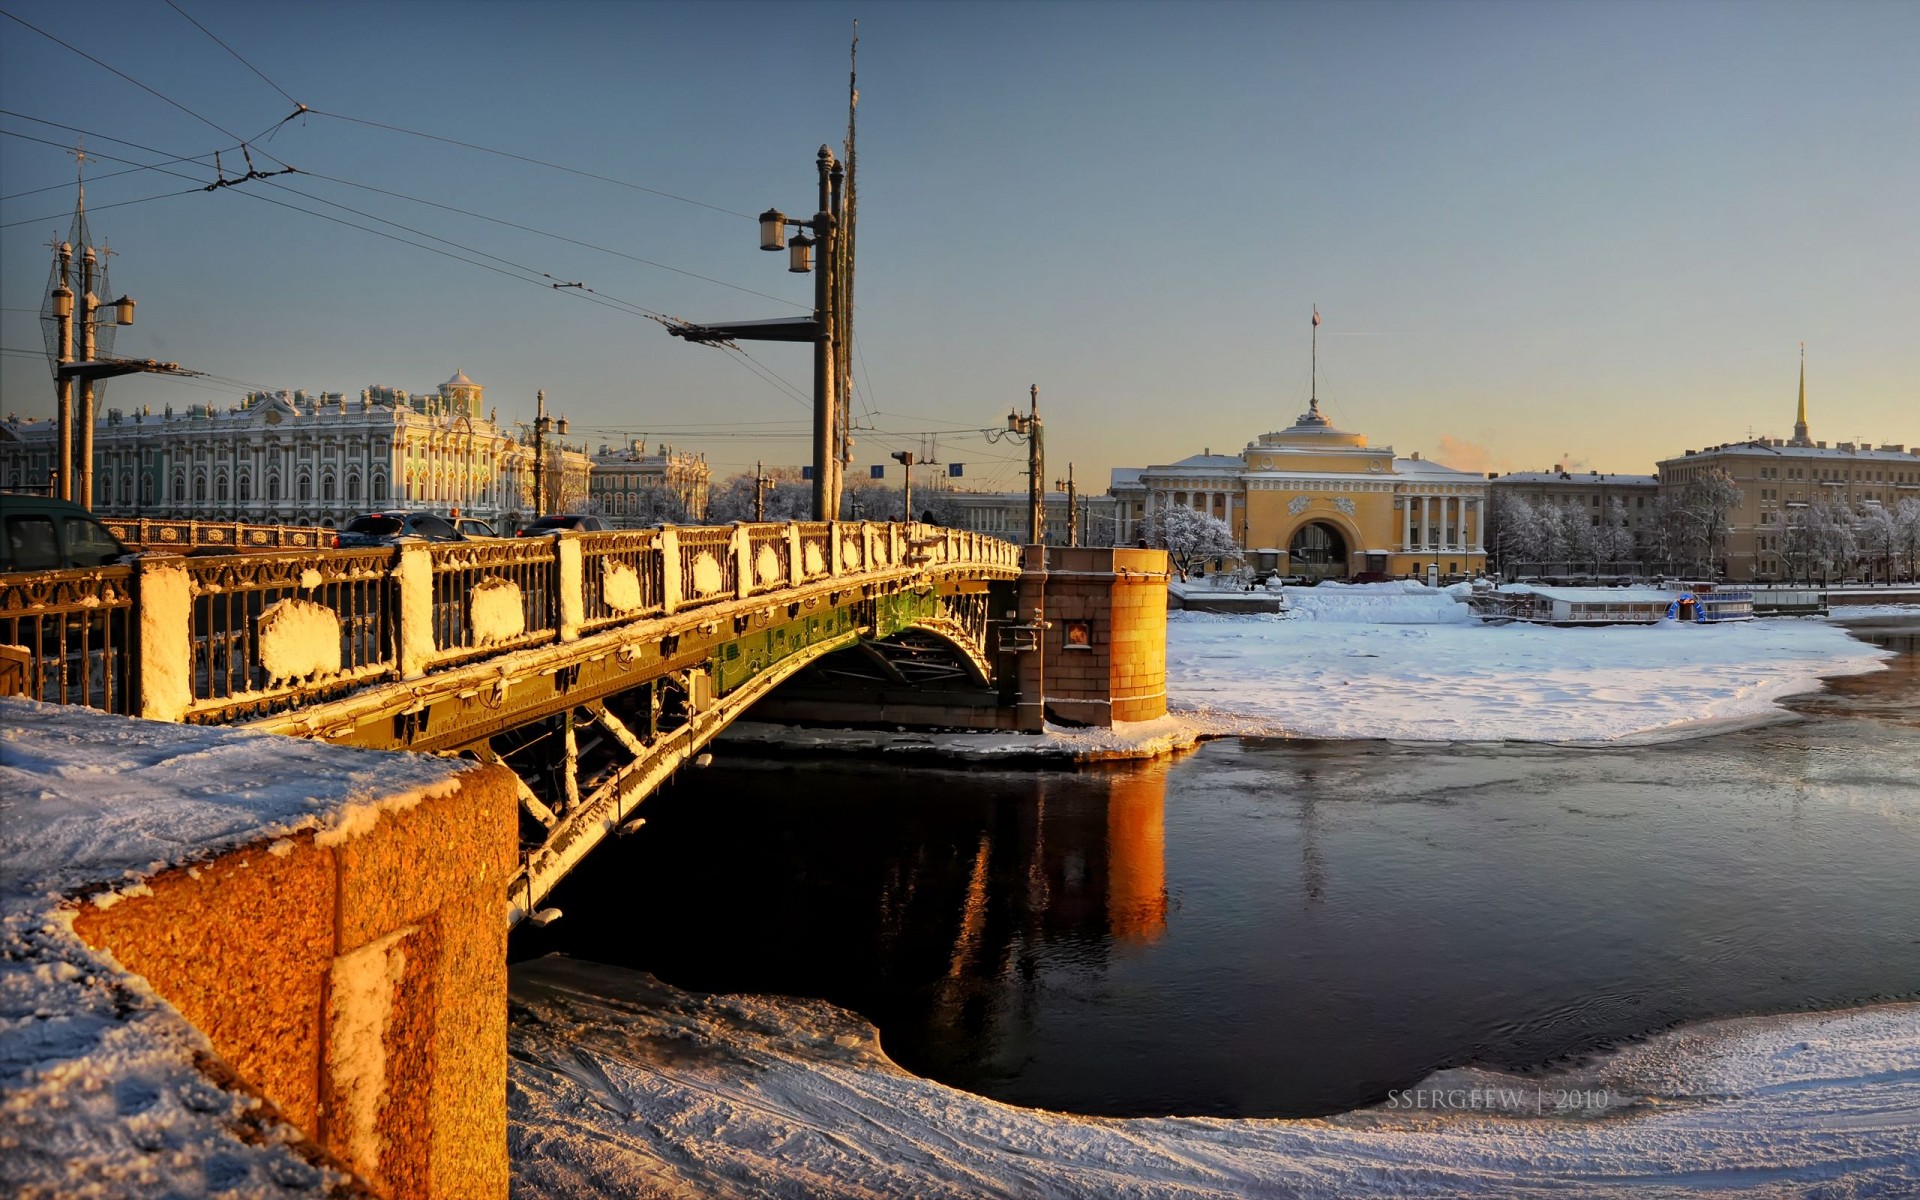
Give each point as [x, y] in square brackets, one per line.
[40, 534]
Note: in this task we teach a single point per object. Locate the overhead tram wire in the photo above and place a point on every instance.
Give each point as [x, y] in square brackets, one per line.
[230, 50]
[367, 187]
[559, 237]
[538, 162]
[130, 79]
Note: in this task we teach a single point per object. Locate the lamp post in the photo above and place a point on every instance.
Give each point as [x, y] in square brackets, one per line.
[542, 424]
[905, 459]
[1031, 428]
[761, 486]
[1073, 506]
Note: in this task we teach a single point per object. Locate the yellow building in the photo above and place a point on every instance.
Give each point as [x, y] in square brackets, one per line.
[1318, 501]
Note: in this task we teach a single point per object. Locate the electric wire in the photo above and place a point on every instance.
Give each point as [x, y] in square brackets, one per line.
[559, 237]
[130, 79]
[230, 50]
[538, 162]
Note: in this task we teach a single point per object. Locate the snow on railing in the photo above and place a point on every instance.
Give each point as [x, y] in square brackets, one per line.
[709, 566]
[270, 629]
[491, 596]
[232, 636]
[621, 573]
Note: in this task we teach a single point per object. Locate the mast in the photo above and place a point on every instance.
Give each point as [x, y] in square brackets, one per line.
[1313, 387]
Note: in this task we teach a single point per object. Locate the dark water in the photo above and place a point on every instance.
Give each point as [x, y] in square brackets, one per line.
[1286, 928]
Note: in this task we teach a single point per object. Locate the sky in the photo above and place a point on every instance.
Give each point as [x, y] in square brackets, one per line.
[1592, 234]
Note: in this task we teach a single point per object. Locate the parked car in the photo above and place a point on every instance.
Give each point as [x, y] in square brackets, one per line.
[392, 528]
[474, 527]
[42, 534]
[562, 522]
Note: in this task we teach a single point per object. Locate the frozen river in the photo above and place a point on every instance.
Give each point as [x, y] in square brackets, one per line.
[1290, 928]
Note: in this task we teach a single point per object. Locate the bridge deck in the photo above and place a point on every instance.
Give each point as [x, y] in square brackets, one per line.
[592, 664]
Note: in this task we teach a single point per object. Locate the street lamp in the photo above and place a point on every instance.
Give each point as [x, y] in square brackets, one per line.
[1030, 428]
[830, 328]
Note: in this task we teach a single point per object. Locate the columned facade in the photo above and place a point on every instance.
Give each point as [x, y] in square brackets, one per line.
[1315, 500]
[305, 458]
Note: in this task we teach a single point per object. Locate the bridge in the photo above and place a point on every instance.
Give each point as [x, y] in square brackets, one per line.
[590, 665]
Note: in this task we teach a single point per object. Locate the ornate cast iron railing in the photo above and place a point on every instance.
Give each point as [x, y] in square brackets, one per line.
[70, 635]
[147, 533]
[244, 635]
[271, 630]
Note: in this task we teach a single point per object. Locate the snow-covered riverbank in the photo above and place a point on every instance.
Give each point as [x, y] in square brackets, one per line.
[621, 1085]
[1410, 666]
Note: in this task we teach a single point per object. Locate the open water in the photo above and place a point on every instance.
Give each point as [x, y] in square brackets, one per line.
[1285, 928]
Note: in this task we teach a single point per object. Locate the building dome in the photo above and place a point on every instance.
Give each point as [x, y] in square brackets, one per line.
[1313, 429]
[460, 380]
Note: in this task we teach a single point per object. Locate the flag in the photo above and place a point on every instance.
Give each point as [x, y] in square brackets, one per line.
[955, 470]
[1316, 316]
[877, 471]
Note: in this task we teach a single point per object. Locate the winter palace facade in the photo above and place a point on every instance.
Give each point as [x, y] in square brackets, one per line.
[1319, 501]
[304, 458]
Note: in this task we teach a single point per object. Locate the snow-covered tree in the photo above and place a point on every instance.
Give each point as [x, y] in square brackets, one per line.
[1819, 541]
[1907, 520]
[1613, 538]
[1880, 542]
[1190, 537]
[1702, 516]
[789, 499]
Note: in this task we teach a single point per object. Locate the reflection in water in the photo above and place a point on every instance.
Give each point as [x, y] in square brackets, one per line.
[947, 913]
[1137, 855]
[1288, 929]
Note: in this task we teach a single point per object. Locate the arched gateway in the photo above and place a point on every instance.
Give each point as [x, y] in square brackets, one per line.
[1318, 550]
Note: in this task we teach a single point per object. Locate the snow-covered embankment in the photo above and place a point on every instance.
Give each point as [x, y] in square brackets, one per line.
[621, 1085]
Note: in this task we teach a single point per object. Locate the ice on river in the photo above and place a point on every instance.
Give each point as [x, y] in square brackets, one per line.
[1394, 663]
[621, 1085]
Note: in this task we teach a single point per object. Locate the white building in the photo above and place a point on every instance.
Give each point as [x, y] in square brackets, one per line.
[304, 458]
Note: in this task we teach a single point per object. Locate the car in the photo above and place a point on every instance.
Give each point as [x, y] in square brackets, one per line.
[474, 527]
[397, 526]
[38, 533]
[562, 523]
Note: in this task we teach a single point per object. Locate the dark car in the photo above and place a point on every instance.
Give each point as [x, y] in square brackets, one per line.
[41, 534]
[392, 528]
[561, 523]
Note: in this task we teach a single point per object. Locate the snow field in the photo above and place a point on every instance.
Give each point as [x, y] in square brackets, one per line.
[619, 1085]
[1404, 662]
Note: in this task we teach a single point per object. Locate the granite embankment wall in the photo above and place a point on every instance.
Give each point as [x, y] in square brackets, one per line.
[357, 983]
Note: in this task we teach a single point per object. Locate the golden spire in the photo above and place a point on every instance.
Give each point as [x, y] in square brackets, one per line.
[1800, 423]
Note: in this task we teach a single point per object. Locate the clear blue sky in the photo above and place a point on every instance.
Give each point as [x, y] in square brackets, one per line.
[1534, 230]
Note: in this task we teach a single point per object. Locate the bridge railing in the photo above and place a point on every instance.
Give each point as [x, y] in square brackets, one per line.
[271, 629]
[709, 567]
[493, 596]
[246, 635]
[69, 636]
[621, 577]
[150, 533]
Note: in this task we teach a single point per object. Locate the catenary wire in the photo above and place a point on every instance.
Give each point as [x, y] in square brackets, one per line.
[230, 50]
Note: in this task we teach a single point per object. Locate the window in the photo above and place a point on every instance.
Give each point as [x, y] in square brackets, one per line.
[31, 545]
[89, 544]
[245, 489]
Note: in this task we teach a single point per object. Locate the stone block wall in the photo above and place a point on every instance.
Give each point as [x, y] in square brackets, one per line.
[358, 984]
[1118, 597]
